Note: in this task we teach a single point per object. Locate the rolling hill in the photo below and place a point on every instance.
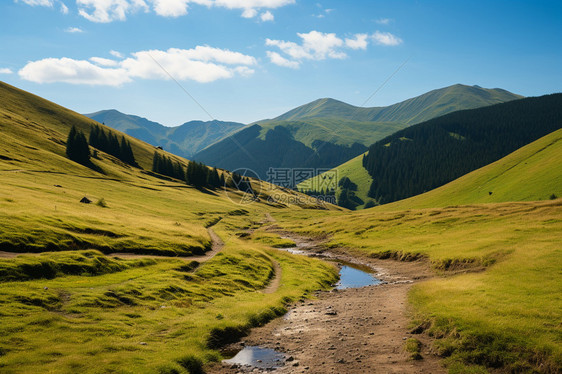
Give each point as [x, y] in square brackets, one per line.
[105, 276]
[428, 155]
[327, 132]
[530, 173]
[184, 140]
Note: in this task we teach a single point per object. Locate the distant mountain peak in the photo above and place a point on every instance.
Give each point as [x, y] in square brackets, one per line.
[418, 109]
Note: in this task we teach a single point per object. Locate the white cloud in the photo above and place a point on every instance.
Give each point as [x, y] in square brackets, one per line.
[249, 13]
[292, 49]
[267, 16]
[315, 46]
[277, 59]
[386, 38]
[48, 3]
[116, 54]
[322, 45]
[103, 61]
[67, 70]
[383, 21]
[117, 10]
[201, 64]
[63, 8]
[6, 71]
[74, 30]
[170, 8]
[359, 42]
[108, 10]
[251, 4]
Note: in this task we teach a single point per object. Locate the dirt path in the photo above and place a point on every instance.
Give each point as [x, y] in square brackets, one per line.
[276, 281]
[360, 330]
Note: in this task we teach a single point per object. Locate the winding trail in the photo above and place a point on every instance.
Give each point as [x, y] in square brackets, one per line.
[275, 281]
[361, 330]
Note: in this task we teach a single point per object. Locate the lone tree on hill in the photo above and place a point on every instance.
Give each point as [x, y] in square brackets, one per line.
[77, 148]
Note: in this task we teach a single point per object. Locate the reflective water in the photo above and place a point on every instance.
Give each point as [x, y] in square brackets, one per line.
[353, 277]
[263, 358]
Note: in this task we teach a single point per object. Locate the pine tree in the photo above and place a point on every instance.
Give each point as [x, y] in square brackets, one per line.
[77, 148]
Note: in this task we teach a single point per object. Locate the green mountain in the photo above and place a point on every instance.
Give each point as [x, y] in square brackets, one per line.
[418, 109]
[530, 173]
[184, 140]
[327, 132]
[433, 153]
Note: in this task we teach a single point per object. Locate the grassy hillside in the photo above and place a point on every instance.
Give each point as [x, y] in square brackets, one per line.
[500, 311]
[531, 173]
[184, 140]
[74, 307]
[352, 169]
[418, 109]
[433, 153]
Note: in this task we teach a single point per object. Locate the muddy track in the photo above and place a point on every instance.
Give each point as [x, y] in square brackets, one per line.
[360, 330]
[275, 281]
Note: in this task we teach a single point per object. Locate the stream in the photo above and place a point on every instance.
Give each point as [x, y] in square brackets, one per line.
[351, 275]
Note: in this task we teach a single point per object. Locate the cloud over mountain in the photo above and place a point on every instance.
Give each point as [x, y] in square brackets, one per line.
[202, 64]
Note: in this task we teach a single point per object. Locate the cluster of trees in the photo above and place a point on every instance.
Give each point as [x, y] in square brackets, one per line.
[328, 195]
[111, 144]
[195, 173]
[430, 154]
[164, 165]
[77, 148]
[346, 196]
[200, 175]
[241, 183]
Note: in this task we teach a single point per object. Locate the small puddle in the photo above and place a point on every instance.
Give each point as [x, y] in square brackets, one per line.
[352, 276]
[263, 358]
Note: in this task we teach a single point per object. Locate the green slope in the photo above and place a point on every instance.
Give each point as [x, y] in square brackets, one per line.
[430, 154]
[184, 140]
[352, 169]
[110, 313]
[334, 130]
[533, 172]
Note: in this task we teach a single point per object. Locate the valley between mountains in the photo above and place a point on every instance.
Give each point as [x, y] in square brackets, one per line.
[117, 254]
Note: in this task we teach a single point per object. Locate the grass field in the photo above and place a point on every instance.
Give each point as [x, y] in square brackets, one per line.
[150, 316]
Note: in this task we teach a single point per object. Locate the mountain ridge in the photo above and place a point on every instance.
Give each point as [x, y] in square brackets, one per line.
[184, 140]
[434, 103]
[348, 129]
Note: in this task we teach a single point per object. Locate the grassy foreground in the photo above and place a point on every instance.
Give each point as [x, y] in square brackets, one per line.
[504, 309]
[154, 315]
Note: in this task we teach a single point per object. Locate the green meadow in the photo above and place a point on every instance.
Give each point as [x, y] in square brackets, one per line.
[110, 286]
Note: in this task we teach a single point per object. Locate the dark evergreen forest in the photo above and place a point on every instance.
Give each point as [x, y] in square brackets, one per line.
[430, 154]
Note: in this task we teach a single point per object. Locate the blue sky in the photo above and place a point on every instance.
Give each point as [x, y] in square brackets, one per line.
[246, 60]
